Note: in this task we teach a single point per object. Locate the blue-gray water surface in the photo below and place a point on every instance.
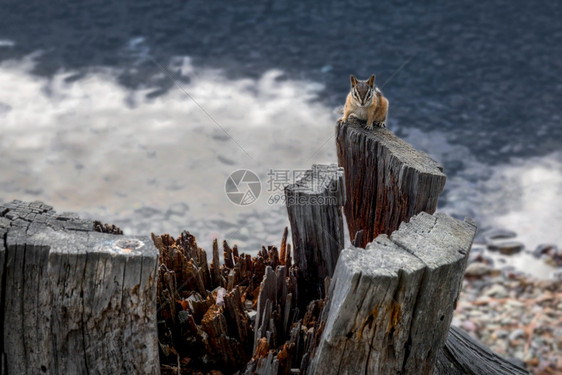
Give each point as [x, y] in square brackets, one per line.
[121, 110]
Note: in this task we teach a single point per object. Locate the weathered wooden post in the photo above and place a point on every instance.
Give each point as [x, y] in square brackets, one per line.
[74, 300]
[314, 205]
[4, 226]
[387, 181]
[390, 305]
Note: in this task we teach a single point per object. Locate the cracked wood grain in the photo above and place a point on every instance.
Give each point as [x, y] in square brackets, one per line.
[74, 300]
[390, 305]
[314, 206]
[387, 181]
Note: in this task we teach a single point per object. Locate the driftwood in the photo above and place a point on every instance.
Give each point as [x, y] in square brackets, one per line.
[314, 205]
[74, 300]
[387, 181]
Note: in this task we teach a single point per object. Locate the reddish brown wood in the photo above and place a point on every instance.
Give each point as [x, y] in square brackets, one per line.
[387, 181]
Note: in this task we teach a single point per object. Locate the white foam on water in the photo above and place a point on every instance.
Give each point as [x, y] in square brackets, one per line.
[7, 43]
[533, 189]
[522, 195]
[91, 145]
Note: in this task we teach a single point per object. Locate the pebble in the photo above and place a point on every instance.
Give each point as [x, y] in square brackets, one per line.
[468, 326]
[481, 258]
[506, 247]
[497, 291]
[498, 311]
[477, 249]
[495, 234]
[515, 304]
[501, 334]
[552, 261]
[551, 254]
[518, 333]
[477, 269]
[543, 248]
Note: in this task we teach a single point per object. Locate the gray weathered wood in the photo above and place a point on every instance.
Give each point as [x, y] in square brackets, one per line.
[314, 205]
[443, 244]
[4, 226]
[390, 305]
[274, 307]
[387, 181]
[463, 355]
[76, 300]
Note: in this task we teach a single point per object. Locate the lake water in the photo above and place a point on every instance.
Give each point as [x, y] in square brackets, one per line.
[137, 112]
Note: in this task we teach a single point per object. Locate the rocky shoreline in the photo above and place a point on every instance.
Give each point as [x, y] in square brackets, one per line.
[517, 315]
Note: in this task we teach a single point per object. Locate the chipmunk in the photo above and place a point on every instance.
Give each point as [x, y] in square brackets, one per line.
[365, 102]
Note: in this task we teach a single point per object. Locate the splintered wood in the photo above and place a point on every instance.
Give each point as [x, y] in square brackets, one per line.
[237, 316]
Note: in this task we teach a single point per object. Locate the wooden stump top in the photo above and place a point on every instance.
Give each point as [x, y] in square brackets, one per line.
[75, 300]
[390, 305]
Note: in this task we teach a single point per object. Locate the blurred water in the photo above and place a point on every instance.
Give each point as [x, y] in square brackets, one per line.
[90, 122]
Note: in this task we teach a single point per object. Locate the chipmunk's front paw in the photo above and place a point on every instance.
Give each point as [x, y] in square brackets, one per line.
[369, 126]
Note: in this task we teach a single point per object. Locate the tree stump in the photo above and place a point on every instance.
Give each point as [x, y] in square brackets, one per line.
[390, 305]
[314, 205]
[387, 181]
[75, 301]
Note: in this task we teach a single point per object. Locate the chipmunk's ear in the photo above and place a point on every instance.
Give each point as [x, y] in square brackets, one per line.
[371, 80]
[353, 80]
